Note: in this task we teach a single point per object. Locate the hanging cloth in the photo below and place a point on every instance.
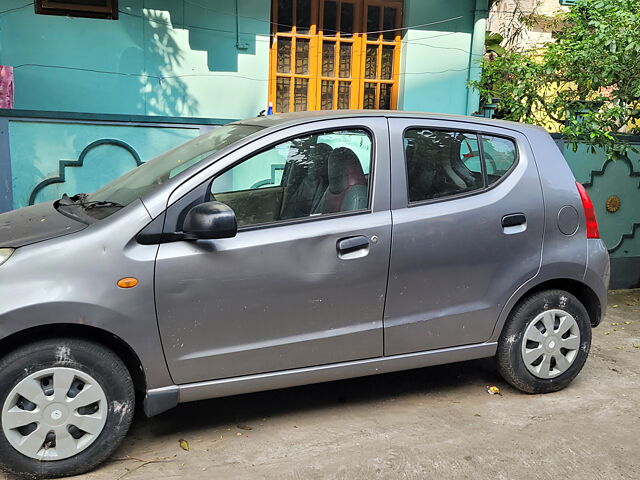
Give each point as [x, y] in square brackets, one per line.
[6, 86]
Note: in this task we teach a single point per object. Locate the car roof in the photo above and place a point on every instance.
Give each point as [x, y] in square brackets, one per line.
[288, 119]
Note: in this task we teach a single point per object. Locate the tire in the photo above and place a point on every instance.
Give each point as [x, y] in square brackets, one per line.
[92, 373]
[526, 336]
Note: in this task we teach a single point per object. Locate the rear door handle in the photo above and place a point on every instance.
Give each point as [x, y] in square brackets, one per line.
[513, 220]
[353, 247]
[514, 223]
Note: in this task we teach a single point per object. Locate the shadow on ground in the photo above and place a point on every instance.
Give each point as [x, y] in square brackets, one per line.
[210, 414]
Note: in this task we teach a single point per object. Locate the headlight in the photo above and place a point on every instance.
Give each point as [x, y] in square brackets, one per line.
[5, 253]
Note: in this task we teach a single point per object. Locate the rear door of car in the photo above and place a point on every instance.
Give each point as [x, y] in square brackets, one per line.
[468, 220]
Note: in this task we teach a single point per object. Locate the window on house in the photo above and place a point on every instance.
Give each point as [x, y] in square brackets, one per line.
[322, 60]
[79, 8]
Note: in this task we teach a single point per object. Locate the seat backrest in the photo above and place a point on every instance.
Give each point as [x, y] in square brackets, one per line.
[306, 182]
[347, 189]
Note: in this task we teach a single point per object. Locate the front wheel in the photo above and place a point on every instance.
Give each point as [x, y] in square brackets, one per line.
[66, 406]
[545, 342]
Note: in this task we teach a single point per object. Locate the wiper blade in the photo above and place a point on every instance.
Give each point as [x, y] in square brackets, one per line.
[77, 201]
[100, 204]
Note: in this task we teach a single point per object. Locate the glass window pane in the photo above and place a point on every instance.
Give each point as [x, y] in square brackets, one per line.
[300, 94]
[285, 15]
[302, 56]
[435, 168]
[369, 96]
[373, 21]
[308, 176]
[330, 23]
[371, 62]
[284, 55]
[303, 16]
[388, 52]
[344, 95]
[283, 94]
[385, 96]
[499, 155]
[389, 22]
[329, 59]
[326, 100]
[345, 60]
[470, 153]
[347, 19]
[355, 140]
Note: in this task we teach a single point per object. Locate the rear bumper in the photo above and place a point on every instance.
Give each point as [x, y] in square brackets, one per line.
[598, 273]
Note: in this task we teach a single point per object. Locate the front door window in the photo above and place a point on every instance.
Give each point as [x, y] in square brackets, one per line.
[320, 174]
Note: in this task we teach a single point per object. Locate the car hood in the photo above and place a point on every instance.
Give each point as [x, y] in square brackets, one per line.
[34, 224]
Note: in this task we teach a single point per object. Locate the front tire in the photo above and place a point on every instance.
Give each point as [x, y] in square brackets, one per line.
[67, 404]
[545, 342]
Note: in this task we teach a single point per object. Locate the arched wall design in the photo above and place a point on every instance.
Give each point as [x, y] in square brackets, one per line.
[79, 163]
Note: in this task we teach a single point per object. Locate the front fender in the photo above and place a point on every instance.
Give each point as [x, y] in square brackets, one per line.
[73, 280]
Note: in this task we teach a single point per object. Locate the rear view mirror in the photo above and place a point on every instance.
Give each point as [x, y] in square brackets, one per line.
[210, 220]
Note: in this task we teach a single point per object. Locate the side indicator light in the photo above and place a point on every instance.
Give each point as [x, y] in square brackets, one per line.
[127, 282]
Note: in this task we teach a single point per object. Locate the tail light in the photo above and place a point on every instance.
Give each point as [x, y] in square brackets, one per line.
[589, 212]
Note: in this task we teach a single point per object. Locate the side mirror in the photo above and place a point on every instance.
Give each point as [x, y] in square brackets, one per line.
[210, 220]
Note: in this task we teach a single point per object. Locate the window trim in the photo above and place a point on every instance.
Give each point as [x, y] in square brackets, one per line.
[62, 8]
[310, 218]
[479, 134]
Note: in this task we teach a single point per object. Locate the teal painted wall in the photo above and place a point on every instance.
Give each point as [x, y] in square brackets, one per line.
[37, 148]
[179, 58]
[436, 58]
[604, 178]
[161, 57]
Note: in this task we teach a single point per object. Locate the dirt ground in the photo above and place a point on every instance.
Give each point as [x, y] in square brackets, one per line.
[432, 423]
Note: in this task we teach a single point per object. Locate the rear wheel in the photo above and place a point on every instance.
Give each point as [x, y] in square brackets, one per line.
[545, 342]
[66, 406]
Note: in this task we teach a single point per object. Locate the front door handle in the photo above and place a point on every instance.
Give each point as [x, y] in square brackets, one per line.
[353, 247]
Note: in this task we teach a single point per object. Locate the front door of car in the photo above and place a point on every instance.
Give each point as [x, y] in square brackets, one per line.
[303, 282]
[467, 231]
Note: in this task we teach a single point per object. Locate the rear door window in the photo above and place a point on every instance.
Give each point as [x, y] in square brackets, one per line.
[500, 155]
[441, 163]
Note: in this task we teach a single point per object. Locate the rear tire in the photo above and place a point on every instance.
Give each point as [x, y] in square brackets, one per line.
[45, 386]
[545, 342]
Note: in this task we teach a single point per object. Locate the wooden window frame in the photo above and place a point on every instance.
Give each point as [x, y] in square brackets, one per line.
[359, 42]
[380, 42]
[355, 42]
[60, 7]
[312, 54]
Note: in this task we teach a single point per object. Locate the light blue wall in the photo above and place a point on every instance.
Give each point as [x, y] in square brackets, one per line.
[161, 57]
[37, 148]
[436, 58]
[179, 58]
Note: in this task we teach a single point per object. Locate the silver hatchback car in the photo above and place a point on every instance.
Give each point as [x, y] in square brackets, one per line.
[288, 250]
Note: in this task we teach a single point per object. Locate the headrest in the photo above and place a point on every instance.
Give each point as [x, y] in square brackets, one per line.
[344, 170]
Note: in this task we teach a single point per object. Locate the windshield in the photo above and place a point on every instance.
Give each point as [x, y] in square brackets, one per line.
[134, 184]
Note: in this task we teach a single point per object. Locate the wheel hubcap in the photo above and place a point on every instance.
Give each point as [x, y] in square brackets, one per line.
[54, 413]
[550, 343]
